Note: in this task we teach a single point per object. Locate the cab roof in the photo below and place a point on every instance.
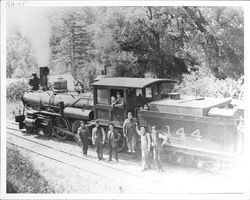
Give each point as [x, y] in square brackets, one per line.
[130, 82]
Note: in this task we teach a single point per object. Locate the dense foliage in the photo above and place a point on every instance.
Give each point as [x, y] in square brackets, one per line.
[20, 60]
[132, 41]
[204, 84]
[15, 90]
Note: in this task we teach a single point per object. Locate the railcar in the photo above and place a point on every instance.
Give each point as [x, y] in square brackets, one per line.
[197, 127]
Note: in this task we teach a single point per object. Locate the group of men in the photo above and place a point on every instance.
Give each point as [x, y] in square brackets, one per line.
[150, 142]
[99, 138]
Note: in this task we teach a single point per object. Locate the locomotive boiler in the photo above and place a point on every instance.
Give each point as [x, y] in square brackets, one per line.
[196, 127]
[58, 111]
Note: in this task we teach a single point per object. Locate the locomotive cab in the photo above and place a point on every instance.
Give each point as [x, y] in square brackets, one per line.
[135, 93]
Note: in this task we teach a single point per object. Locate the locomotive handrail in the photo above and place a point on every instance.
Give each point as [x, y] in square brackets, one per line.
[76, 101]
[48, 113]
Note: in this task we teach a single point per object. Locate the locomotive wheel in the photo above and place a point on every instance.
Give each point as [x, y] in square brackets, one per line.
[47, 130]
[62, 123]
[75, 126]
[29, 129]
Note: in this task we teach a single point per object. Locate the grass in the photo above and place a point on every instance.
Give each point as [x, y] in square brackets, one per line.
[22, 176]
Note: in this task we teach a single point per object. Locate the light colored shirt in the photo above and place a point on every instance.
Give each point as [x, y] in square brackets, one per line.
[145, 140]
[98, 135]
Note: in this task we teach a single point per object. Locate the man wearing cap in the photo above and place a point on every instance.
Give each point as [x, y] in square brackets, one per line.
[119, 101]
[83, 133]
[145, 147]
[129, 131]
[98, 139]
[113, 139]
[157, 144]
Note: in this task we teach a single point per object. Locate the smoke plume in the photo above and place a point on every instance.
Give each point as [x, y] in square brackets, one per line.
[34, 25]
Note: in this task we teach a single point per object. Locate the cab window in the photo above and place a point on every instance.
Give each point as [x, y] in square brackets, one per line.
[113, 92]
[148, 92]
[102, 96]
[138, 92]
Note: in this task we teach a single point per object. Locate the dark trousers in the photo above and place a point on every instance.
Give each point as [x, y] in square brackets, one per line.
[157, 159]
[115, 152]
[99, 150]
[84, 148]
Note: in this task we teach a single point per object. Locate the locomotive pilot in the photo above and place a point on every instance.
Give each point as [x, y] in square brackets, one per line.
[145, 147]
[98, 139]
[113, 139]
[129, 131]
[83, 133]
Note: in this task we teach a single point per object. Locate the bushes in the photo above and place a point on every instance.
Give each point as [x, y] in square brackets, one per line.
[15, 90]
[203, 83]
[22, 177]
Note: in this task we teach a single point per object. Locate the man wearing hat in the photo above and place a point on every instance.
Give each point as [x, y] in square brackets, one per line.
[113, 140]
[83, 133]
[145, 147]
[98, 139]
[157, 147]
[119, 101]
[129, 131]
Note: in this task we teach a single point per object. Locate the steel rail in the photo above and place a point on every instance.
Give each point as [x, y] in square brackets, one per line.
[92, 161]
[57, 160]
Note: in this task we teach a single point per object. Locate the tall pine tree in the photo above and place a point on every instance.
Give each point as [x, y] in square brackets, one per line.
[71, 42]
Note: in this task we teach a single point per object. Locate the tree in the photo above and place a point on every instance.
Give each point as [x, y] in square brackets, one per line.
[71, 41]
[20, 61]
[219, 30]
[169, 40]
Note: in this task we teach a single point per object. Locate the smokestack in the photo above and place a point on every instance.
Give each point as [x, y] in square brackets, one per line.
[44, 71]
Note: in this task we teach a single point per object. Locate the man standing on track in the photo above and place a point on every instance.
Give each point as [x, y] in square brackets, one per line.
[129, 131]
[83, 133]
[98, 139]
[113, 139]
[157, 147]
[145, 147]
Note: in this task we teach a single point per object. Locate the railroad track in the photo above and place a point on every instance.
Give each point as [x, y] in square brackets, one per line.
[119, 169]
[126, 169]
[127, 159]
[17, 132]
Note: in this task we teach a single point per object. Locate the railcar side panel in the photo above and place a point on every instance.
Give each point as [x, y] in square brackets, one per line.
[207, 135]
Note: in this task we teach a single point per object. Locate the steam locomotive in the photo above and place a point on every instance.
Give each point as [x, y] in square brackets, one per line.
[196, 127]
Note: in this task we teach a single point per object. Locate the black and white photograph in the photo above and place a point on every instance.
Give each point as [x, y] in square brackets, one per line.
[124, 100]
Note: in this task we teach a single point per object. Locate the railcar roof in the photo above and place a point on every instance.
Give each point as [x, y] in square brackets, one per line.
[130, 82]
